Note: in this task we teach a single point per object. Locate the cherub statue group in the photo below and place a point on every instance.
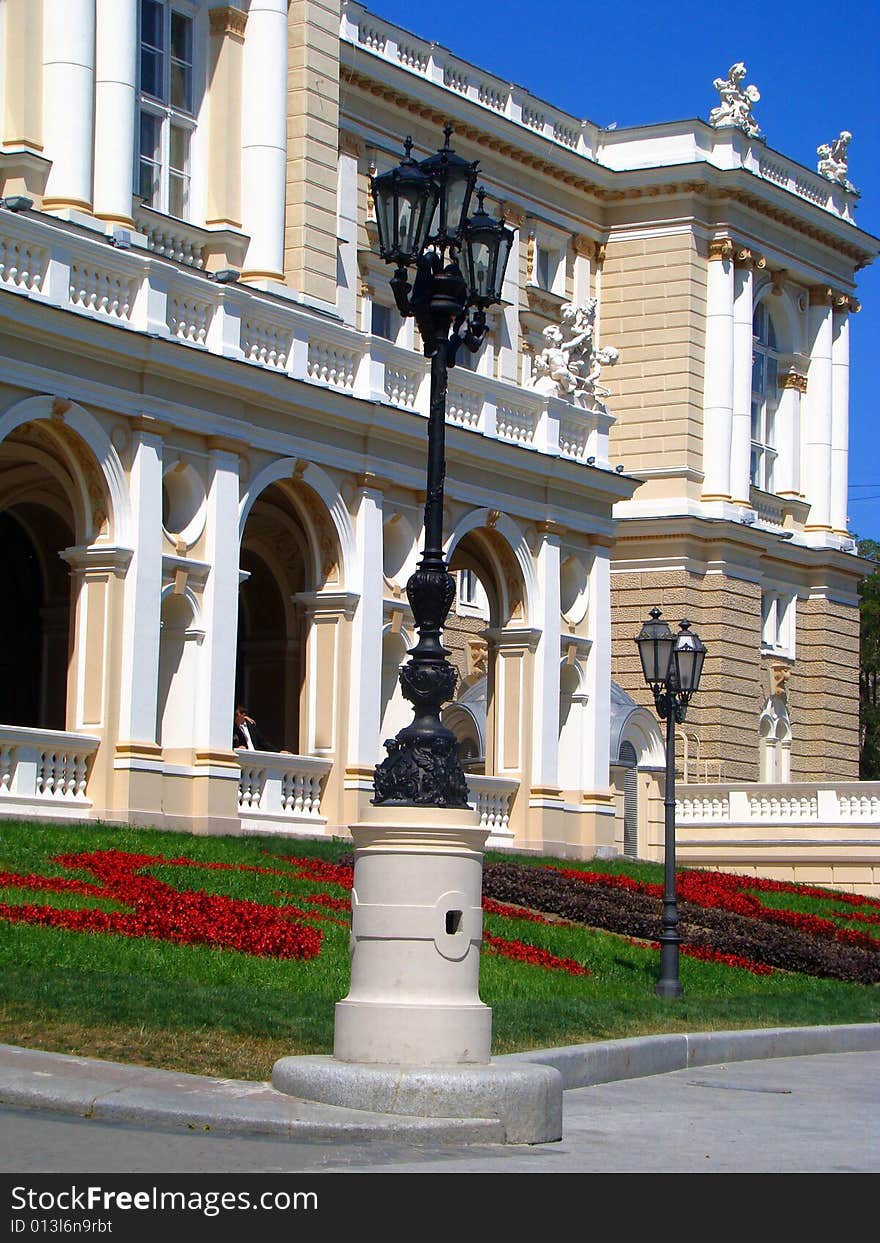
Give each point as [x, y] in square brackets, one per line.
[735, 108]
[833, 159]
[570, 364]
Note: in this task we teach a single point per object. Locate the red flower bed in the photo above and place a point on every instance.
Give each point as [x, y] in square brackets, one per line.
[532, 954]
[188, 917]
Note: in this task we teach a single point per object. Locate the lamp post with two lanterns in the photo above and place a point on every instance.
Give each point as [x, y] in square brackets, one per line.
[459, 261]
[672, 666]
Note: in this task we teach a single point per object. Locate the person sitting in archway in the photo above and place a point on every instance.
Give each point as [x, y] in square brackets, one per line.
[247, 735]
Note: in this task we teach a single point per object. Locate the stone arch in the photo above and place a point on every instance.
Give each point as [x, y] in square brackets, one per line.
[76, 438]
[322, 510]
[782, 306]
[774, 740]
[573, 700]
[506, 541]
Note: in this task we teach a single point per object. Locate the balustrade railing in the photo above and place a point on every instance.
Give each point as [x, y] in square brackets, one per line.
[139, 290]
[834, 803]
[46, 771]
[280, 793]
[493, 797]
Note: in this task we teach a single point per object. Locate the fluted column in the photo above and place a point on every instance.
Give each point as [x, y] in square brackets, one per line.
[840, 413]
[817, 429]
[741, 426]
[69, 102]
[719, 371]
[116, 53]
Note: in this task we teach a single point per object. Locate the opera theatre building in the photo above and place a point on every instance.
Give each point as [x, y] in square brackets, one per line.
[213, 443]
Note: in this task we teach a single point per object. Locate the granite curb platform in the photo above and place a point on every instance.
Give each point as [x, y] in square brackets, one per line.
[110, 1091]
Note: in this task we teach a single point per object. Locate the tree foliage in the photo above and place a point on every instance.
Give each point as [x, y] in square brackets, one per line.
[869, 665]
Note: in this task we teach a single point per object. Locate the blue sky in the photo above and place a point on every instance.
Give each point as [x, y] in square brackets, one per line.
[817, 66]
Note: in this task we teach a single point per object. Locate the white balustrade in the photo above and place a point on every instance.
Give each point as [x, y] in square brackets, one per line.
[172, 239]
[45, 772]
[492, 797]
[128, 285]
[806, 804]
[22, 264]
[280, 793]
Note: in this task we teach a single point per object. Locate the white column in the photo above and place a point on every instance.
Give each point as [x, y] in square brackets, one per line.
[347, 228]
[143, 590]
[817, 429]
[584, 251]
[840, 417]
[545, 744]
[68, 100]
[216, 703]
[365, 706]
[597, 743]
[787, 474]
[718, 391]
[508, 328]
[741, 428]
[116, 53]
[264, 138]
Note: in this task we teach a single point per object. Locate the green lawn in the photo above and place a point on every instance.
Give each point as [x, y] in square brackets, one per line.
[138, 990]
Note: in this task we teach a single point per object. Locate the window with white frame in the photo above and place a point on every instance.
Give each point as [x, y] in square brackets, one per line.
[765, 399]
[778, 623]
[471, 599]
[166, 117]
[384, 321]
[548, 264]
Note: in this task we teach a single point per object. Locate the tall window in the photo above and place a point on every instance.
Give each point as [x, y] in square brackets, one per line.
[165, 112]
[778, 623]
[765, 399]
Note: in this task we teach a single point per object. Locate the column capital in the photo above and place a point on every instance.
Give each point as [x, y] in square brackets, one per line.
[228, 20]
[349, 144]
[513, 214]
[224, 444]
[584, 247]
[792, 379]
[720, 248]
[375, 483]
[145, 423]
[549, 527]
[821, 295]
[745, 257]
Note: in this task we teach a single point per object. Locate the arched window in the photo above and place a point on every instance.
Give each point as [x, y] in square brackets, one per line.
[765, 399]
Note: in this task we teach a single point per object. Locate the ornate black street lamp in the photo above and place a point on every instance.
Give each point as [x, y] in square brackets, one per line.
[422, 219]
[672, 665]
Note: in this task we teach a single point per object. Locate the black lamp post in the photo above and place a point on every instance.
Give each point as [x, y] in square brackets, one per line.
[672, 665]
[422, 219]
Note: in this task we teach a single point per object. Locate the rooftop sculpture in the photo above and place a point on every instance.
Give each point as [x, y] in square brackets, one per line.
[833, 160]
[735, 108]
[570, 364]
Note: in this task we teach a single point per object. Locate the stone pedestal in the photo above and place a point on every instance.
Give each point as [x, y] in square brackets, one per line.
[416, 926]
[412, 1037]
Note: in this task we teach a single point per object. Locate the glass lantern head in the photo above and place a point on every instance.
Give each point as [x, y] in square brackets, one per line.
[655, 641]
[406, 200]
[487, 245]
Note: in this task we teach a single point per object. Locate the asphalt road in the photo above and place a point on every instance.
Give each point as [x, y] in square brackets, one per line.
[806, 1115]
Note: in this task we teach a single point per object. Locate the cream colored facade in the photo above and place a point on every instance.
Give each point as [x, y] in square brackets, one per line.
[211, 488]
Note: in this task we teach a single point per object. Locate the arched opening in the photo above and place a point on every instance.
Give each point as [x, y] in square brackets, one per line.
[489, 595]
[765, 399]
[396, 712]
[37, 523]
[629, 762]
[572, 705]
[775, 741]
[289, 551]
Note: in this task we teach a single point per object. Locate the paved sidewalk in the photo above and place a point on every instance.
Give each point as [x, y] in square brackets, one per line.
[107, 1091]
